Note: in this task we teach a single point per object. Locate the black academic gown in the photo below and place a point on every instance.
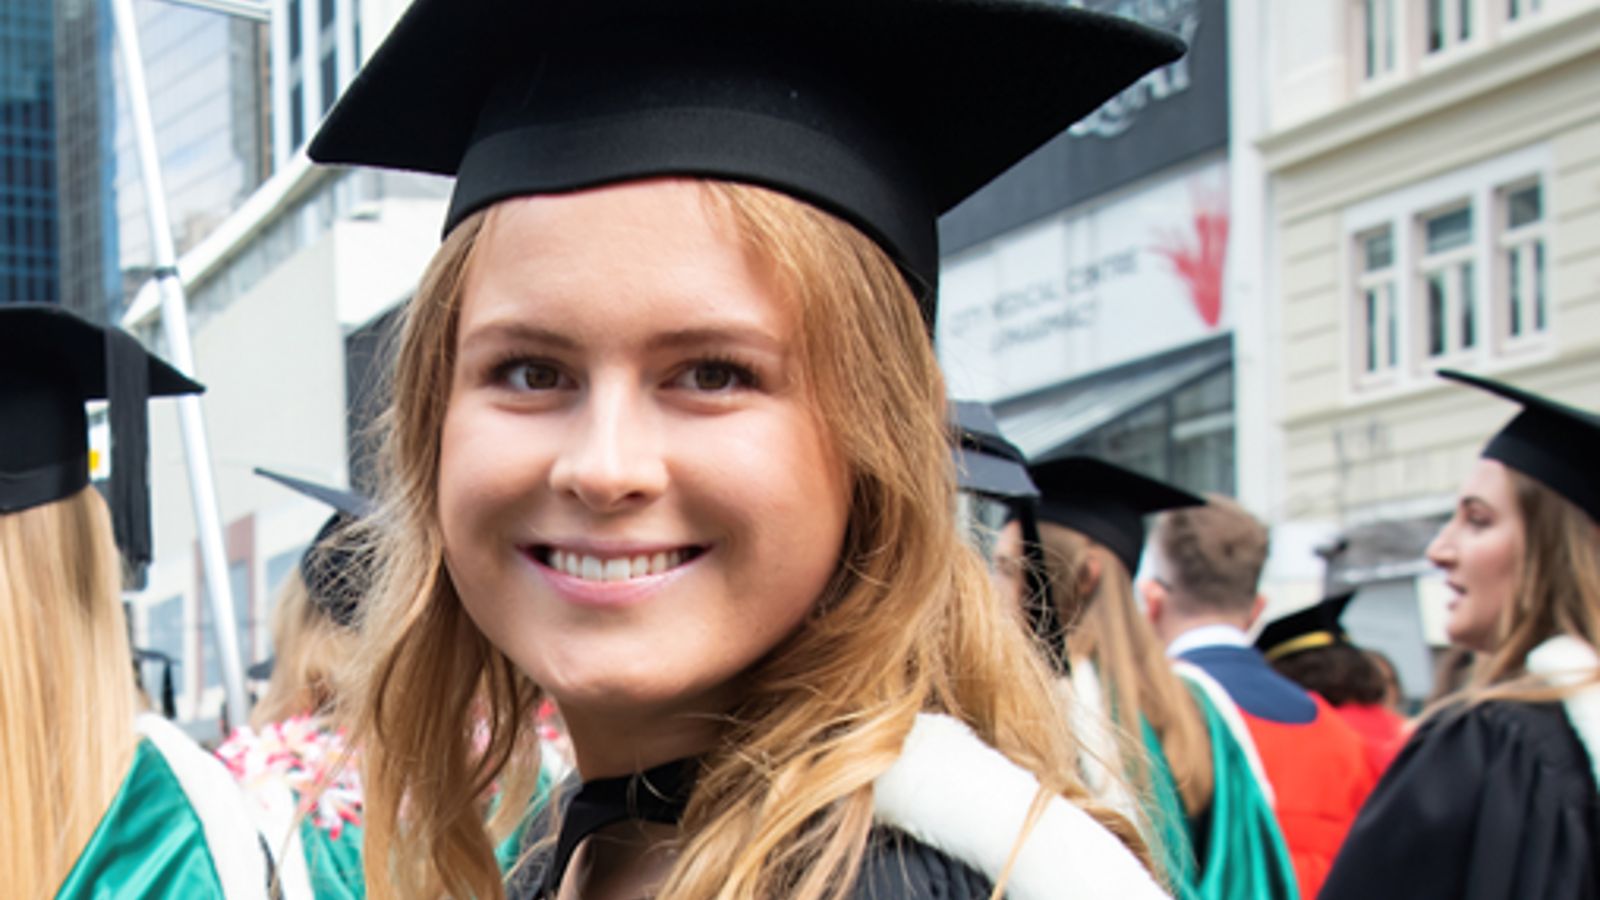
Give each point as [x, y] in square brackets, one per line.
[895, 867]
[1485, 802]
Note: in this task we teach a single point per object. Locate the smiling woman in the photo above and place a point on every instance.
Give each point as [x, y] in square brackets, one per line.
[668, 446]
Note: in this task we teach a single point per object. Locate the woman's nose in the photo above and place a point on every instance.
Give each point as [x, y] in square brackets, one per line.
[1441, 550]
[612, 457]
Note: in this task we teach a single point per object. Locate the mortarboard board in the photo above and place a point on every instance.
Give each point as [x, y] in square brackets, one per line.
[1105, 502]
[336, 574]
[987, 463]
[51, 363]
[1306, 629]
[1550, 442]
[886, 113]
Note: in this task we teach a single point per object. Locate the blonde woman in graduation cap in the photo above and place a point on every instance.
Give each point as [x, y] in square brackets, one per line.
[668, 446]
[1164, 747]
[1495, 794]
[99, 800]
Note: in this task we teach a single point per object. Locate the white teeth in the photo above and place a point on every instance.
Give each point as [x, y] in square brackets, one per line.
[593, 568]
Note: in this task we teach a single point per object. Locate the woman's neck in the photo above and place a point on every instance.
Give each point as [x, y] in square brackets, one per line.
[627, 860]
[611, 745]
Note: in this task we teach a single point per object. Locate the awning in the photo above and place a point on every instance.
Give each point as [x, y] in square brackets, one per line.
[1042, 423]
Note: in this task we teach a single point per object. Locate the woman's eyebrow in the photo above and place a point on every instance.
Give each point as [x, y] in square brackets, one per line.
[513, 331]
[700, 336]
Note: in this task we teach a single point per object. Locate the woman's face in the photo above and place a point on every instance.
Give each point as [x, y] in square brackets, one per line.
[1480, 550]
[636, 497]
[1008, 563]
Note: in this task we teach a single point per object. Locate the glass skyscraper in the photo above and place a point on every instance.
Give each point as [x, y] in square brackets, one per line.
[29, 262]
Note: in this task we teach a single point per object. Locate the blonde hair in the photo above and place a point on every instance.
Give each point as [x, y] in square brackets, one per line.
[1213, 555]
[67, 698]
[1137, 682]
[1558, 594]
[908, 623]
[308, 646]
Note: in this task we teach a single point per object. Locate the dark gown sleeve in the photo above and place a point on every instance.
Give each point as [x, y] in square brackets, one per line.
[1489, 802]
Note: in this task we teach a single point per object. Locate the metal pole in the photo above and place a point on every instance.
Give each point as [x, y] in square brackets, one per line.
[253, 10]
[175, 326]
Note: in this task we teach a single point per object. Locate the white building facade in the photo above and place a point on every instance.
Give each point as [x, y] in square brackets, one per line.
[1432, 196]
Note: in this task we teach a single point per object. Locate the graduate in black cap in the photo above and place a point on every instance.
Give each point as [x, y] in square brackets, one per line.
[1311, 648]
[98, 799]
[669, 445]
[1196, 789]
[1495, 795]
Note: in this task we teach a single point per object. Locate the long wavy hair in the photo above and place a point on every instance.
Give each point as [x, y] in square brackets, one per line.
[67, 697]
[310, 650]
[1136, 680]
[908, 623]
[1558, 594]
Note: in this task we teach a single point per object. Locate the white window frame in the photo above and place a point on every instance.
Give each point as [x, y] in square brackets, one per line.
[1456, 270]
[1529, 9]
[1379, 50]
[1453, 41]
[1485, 186]
[1377, 352]
[1522, 292]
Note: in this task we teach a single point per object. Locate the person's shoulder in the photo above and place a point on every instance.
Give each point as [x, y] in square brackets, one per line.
[969, 802]
[1501, 733]
[1253, 684]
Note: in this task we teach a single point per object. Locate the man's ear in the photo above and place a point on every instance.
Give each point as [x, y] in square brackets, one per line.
[1155, 599]
[1257, 607]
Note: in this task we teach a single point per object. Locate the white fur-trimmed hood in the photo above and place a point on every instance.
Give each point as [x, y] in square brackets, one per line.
[1563, 661]
[960, 796]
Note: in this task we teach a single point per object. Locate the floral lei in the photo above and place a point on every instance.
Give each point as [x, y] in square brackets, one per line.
[314, 761]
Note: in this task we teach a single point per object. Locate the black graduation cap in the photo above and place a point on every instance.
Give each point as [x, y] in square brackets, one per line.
[51, 363]
[1552, 443]
[336, 574]
[987, 463]
[1105, 502]
[886, 113]
[1306, 629]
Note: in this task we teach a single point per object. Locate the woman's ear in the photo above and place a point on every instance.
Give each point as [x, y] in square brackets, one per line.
[1089, 573]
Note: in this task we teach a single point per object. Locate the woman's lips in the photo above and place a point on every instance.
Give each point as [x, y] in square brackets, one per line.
[611, 577]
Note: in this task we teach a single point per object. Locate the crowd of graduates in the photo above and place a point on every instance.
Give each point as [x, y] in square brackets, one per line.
[671, 482]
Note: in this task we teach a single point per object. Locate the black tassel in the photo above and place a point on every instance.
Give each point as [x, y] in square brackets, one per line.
[169, 696]
[127, 390]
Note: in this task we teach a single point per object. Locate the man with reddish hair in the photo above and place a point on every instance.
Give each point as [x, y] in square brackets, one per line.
[1206, 564]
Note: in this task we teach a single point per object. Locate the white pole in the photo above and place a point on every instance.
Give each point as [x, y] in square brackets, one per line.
[175, 325]
[254, 10]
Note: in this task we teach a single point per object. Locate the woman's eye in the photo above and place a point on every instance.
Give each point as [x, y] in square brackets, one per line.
[530, 376]
[716, 377]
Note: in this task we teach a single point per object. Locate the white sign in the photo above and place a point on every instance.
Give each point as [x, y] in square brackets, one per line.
[1087, 289]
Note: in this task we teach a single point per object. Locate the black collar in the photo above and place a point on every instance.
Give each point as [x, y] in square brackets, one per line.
[655, 795]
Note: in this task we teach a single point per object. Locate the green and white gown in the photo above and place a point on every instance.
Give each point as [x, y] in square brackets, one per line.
[177, 828]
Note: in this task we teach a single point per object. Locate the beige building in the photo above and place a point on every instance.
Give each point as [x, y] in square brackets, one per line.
[1433, 200]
